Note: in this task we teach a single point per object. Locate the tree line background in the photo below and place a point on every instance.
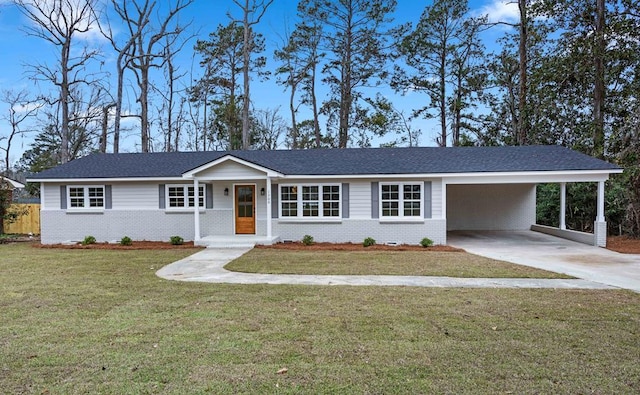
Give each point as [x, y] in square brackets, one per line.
[567, 73]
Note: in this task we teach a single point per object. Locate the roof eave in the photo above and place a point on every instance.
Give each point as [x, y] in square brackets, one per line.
[106, 179]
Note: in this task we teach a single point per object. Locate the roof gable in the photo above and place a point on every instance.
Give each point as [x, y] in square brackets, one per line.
[230, 166]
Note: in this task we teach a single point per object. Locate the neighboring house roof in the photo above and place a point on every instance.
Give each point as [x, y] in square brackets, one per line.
[14, 184]
[326, 162]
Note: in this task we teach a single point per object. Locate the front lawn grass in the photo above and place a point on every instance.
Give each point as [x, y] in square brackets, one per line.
[401, 263]
[95, 321]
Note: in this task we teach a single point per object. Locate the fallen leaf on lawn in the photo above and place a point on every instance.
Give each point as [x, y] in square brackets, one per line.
[495, 328]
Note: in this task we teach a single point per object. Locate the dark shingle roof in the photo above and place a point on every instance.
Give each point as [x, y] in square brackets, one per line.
[355, 161]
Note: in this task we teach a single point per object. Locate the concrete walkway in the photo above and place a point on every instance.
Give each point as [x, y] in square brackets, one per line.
[208, 266]
[551, 253]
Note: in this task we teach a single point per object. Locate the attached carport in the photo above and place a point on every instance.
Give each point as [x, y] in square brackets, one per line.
[506, 201]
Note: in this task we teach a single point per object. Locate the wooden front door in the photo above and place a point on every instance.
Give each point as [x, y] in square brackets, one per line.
[245, 208]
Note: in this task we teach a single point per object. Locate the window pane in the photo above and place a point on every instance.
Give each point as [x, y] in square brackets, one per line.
[331, 209]
[96, 192]
[96, 196]
[330, 192]
[390, 192]
[310, 193]
[176, 196]
[289, 201]
[245, 209]
[390, 209]
[289, 209]
[310, 209]
[200, 196]
[288, 193]
[411, 209]
[76, 197]
[411, 192]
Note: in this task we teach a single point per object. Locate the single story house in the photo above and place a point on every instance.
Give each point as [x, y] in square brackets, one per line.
[395, 195]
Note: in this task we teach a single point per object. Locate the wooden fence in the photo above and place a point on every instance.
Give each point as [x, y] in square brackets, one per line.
[28, 223]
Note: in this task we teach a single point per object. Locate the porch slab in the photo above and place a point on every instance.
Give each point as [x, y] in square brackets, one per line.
[236, 241]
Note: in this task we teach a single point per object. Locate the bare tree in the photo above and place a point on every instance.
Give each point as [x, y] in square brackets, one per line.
[60, 22]
[144, 49]
[252, 12]
[21, 108]
[124, 55]
[268, 127]
[171, 124]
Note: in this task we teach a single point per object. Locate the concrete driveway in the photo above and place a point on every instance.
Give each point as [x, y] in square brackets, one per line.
[552, 253]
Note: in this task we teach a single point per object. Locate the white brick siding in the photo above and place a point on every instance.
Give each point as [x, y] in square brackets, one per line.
[356, 230]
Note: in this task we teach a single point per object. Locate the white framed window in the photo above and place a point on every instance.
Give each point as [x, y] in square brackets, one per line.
[401, 200]
[183, 196]
[310, 201]
[86, 197]
[289, 201]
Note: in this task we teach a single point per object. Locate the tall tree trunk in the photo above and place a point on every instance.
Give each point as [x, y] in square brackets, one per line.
[144, 109]
[292, 109]
[64, 102]
[599, 86]
[457, 117]
[246, 51]
[443, 97]
[346, 95]
[170, 81]
[523, 119]
[105, 127]
[119, 97]
[345, 106]
[314, 104]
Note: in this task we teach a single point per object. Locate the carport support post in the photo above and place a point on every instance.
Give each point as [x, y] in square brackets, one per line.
[600, 225]
[196, 209]
[269, 209]
[563, 205]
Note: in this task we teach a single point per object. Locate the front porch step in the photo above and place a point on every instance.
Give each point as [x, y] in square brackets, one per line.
[239, 241]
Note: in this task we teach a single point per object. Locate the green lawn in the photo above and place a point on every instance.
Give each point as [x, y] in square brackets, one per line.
[90, 321]
[405, 263]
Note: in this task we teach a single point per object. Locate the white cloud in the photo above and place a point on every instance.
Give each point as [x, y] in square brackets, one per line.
[501, 11]
[22, 108]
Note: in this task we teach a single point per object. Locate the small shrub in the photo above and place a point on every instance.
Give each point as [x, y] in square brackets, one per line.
[368, 242]
[177, 240]
[126, 241]
[426, 242]
[88, 240]
[307, 240]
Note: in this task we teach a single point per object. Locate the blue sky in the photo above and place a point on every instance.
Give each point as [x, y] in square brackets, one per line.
[19, 49]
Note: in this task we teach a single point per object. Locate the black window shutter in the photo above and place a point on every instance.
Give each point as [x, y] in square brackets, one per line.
[375, 201]
[345, 200]
[107, 197]
[274, 200]
[427, 199]
[161, 197]
[209, 195]
[63, 197]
